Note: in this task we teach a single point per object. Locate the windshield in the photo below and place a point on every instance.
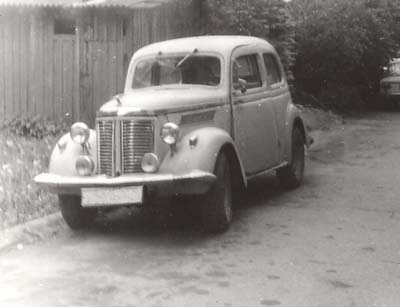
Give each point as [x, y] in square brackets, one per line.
[394, 69]
[196, 69]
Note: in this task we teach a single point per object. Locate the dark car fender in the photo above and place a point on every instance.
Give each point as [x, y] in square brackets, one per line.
[199, 150]
[295, 119]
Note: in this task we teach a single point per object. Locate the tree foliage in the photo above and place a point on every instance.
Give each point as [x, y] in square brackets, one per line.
[269, 19]
[341, 47]
[335, 48]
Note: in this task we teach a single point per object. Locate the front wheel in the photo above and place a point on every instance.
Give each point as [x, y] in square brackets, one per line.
[291, 175]
[74, 215]
[217, 204]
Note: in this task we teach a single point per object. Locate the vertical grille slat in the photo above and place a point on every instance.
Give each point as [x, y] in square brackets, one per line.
[105, 147]
[137, 139]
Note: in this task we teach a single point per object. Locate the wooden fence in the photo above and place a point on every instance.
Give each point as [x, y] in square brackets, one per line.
[51, 75]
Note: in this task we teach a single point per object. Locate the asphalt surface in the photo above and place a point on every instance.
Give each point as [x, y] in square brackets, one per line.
[332, 242]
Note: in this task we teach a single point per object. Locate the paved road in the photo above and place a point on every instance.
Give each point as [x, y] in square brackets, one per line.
[333, 242]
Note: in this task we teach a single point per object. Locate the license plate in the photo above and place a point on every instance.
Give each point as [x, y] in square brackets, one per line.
[105, 197]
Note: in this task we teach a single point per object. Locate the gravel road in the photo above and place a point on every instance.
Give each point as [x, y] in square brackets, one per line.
[332, 242]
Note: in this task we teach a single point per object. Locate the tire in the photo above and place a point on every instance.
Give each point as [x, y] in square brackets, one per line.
[291, 175]
[74, 215]
[216, 209]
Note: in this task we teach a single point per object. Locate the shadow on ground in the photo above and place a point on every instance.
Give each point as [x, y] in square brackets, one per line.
[181, 216]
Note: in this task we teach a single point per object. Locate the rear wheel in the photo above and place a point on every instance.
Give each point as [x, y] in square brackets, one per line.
[217, 205]
[74, 215]
[291, 175]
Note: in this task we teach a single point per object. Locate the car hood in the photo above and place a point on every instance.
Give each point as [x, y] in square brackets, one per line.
[390, 79]
[162, 100]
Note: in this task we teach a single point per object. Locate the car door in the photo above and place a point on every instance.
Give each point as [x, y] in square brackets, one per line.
[254, 125]
[279, 96]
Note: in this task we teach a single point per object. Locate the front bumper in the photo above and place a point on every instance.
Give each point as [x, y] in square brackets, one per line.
[157, 185]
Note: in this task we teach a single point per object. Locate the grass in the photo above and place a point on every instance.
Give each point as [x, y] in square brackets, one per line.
[21, 159]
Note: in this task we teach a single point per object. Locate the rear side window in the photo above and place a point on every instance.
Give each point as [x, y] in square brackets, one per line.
[274, 74]
[246, 67]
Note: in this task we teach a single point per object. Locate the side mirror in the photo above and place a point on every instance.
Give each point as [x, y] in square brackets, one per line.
[242, 85]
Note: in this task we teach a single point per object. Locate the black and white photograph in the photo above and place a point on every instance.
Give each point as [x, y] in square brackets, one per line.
[199, 153]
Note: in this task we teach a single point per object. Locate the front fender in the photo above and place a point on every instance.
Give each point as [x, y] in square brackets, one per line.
[202, 155]
[65, 153]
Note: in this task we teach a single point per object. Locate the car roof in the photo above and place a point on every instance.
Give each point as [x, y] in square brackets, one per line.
[223, 44]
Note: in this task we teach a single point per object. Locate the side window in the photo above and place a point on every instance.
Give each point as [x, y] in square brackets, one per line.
[274, 74]
[246, 67]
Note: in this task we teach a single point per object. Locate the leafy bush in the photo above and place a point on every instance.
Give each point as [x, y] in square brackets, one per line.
[342, 45]
[36, 127]
[21, 159]
[25, 147]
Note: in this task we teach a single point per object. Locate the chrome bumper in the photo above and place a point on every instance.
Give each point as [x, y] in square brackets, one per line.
[160, 185]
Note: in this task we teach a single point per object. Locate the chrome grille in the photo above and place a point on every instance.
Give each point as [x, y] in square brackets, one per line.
[137, 140]
[134, 138]
[105, 137]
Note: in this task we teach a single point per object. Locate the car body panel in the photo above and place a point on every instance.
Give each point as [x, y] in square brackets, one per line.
[197, 150]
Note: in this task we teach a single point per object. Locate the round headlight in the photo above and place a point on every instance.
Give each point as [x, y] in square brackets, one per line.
[84, 166]
[170, 133]
[149, 163]
[79, 133]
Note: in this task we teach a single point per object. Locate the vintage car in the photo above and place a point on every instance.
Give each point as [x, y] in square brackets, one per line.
[390, 84]
[199, 116]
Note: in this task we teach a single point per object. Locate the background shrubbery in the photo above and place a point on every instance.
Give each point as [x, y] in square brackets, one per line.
[35, 127]
[25, 147]
[332, 50]
[341, 48]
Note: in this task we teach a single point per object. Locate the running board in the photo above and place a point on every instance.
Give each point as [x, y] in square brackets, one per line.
[252, 176]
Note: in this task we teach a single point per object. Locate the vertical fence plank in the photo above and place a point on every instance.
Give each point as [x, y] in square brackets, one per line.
[24, 65]
[75, 116]
[2, 70]
[8, 72]
[16, 67]
[112, 68]
[57, 78]
[42, 62]
[67, 58]
[48, 51]
[120, 67]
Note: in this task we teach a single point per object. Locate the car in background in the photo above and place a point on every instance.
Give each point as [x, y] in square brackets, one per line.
[390, 85]
[199, 116]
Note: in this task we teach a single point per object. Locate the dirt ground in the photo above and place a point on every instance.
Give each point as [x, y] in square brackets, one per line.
[332, 242]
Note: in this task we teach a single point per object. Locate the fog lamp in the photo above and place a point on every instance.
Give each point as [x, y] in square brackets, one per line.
[149, 163]
[170, 133]
[79, 133]
[84, 166]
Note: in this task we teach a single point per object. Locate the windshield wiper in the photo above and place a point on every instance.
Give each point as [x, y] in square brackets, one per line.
[179, 64]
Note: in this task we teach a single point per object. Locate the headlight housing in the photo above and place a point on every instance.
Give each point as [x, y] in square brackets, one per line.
[79, 133]
[170, 133]
[149, 163]
[84, 166]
